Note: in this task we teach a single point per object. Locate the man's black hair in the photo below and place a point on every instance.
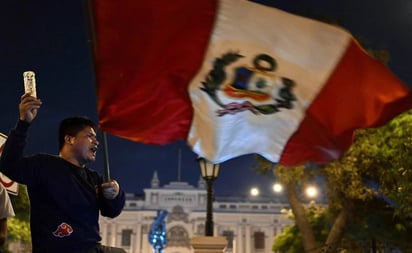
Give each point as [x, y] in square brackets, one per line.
[72, 125]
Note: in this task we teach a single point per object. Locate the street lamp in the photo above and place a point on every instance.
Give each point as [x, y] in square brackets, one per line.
[209, 172]
[311, 192]
[254, 191]
[278, 188]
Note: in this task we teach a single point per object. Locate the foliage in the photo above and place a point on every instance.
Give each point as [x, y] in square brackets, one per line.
[380, 226]
[18, 227]
[381, 161]
[289, 241]
[378, 165]
[18, 230]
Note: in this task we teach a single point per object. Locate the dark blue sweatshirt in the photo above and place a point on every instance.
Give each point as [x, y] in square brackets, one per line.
[65, 200]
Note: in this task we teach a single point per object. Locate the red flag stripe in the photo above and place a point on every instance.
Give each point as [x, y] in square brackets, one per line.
[360, 93]
[146, 54]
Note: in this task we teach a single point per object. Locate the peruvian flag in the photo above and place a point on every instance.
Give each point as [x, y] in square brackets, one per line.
[233, 77]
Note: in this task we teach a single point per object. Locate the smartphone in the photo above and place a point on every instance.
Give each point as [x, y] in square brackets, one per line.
[29, 78]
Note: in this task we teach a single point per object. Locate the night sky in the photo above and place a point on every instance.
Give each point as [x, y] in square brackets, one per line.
[50, 38]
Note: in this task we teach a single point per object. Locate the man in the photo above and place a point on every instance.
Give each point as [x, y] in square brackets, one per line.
[65, 196]
[6, 211]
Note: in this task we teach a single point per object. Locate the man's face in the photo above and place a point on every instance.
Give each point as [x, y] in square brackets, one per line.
[84, 146]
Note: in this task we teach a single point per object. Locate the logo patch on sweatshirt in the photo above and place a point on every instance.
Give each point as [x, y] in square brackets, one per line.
[63, 230]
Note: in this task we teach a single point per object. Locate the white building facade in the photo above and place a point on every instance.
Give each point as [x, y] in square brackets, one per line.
[248, 224]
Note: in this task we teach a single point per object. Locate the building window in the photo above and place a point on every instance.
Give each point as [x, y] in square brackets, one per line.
[229, 237]
[126, 237]
[259, 240]
[177, 236]
[154, 198]
[200, 229]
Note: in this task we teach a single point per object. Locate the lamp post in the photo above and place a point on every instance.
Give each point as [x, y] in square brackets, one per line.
[209, 172]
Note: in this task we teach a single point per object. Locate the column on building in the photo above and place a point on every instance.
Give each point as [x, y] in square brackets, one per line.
[135, 239]
[269, 236]
[119, 233]
[239, 240]
[103, 227]
[248, 238]
[111, 234]
[146, 247]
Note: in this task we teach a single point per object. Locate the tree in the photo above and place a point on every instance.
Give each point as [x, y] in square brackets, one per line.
[377, 166]
[367, 231]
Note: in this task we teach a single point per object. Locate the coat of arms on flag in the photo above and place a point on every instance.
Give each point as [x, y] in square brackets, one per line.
[259, 88]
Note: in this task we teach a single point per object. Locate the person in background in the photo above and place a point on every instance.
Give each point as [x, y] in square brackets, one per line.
[6, 211]
[66, 197]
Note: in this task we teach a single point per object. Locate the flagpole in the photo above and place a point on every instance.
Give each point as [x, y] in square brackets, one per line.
[89, 16]
[106, 158]
[179, 162]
